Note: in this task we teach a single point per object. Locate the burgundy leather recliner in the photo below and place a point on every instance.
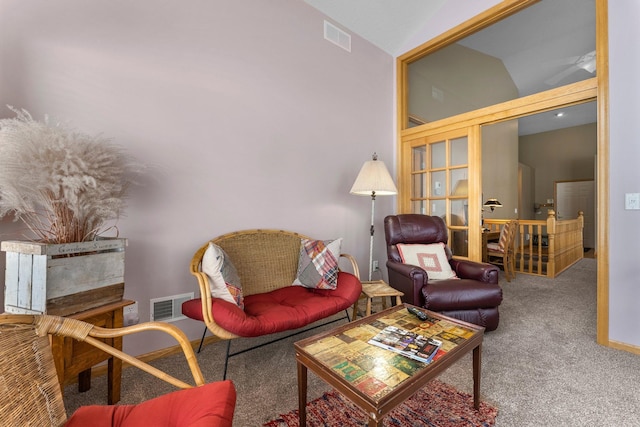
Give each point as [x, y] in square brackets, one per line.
[473, 298]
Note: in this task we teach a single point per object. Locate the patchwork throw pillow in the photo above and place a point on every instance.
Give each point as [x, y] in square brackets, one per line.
[223, 276]
[431, 258]
[318, 264]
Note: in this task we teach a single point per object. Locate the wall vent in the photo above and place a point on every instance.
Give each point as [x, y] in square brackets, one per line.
[169, 309]
[336, 36]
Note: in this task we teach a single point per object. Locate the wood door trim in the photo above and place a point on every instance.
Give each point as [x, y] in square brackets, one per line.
[601, 89]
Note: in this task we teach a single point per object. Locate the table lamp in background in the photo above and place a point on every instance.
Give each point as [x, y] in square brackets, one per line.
[373, 180]
[492, 203]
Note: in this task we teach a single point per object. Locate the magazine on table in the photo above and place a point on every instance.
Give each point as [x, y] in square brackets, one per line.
[407, 343]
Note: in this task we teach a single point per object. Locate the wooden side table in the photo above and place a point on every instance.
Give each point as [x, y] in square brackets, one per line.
[75, 359]
[376, 289]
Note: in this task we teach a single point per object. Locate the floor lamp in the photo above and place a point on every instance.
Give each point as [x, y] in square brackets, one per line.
[373, 180]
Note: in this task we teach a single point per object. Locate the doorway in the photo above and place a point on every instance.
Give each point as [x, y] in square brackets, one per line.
[572, 197]
[568, 95]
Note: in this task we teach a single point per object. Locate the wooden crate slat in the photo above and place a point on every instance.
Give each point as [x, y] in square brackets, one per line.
[25, 265]
[81, 301]
[81, 273]
[73, 274]
[11, 279]
[36, 248]
[39, 283]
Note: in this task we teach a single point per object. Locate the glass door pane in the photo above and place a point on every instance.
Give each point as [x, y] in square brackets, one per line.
[459, 152]
[419, 186]
[438, 155]
[440, 185]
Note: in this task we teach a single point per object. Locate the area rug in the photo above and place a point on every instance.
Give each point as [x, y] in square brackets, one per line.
[436, 405]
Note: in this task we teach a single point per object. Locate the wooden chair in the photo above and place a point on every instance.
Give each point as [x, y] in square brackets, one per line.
[30, 392]
[503, 251]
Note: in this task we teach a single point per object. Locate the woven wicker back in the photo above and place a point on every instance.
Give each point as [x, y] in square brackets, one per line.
[29, 391]
[265, 259]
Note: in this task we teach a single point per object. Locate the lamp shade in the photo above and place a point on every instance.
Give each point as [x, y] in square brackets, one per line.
[374, 178]
[461, 188]
[492, 203]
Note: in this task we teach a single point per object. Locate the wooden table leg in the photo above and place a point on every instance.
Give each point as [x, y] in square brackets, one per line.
[477, 363]
[114, 364]
[84, 381]
[302, 394]
[114, 371]
[374, 423]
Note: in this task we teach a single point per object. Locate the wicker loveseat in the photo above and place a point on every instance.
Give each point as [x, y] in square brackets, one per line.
[267, 264]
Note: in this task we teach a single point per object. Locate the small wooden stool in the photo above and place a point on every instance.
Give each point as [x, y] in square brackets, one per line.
[376, 289]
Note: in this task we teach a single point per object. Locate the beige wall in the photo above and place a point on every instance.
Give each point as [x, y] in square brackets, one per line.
[500, 168]
[466, 78]
[624, 173]
[562, 155]
[249, 118]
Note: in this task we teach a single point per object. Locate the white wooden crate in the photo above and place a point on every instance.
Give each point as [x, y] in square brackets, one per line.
[62, 278]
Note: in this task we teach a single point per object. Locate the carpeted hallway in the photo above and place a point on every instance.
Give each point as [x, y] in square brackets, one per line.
[541, 367]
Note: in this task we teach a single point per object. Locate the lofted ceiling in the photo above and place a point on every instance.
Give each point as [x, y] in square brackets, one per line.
[387, 24]
[547, 45]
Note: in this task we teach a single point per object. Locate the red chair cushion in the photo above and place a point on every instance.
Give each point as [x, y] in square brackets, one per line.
[208, 405]
[280, 310]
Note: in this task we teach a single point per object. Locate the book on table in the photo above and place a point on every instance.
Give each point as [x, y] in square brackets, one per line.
[407, 343]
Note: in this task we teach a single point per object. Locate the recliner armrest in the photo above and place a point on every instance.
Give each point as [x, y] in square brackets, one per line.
[408, 279]
[483, 272]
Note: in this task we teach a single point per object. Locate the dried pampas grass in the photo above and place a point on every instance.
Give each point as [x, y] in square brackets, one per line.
[62, 184]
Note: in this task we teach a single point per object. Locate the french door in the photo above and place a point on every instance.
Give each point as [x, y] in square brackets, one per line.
[440, 181]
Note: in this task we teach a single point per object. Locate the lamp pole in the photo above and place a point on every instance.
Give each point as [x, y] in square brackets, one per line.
[373, 207]
[373, 179]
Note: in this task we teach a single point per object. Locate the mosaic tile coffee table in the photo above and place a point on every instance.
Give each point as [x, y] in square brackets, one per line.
[376, 379]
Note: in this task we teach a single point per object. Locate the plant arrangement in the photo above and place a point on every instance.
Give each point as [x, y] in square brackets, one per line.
[62, 184]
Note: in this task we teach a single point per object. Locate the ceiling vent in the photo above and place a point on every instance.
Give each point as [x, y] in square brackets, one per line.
[169, 309]
[336, 36]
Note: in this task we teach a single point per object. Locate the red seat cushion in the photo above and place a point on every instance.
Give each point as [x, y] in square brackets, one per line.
[208, 405]
[287, 308]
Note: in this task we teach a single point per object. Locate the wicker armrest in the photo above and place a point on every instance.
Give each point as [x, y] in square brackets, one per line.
[354, 264]
[205, 295]
[91, 334]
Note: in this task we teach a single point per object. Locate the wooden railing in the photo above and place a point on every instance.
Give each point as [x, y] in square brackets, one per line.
[546, 248]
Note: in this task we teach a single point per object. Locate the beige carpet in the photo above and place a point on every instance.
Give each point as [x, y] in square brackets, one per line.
[541, 367]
